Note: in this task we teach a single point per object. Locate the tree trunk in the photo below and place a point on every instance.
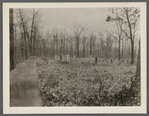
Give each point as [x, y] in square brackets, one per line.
[107, 49]
[138, 62]
[84, 51]
[132, 52]
[90, 48]
[31, 38]
[22, 47]
[129, 51]
[34, 37]
[136, 85]
[122, 50]
[77, 39]
[101, 52]
[98, 49]
[119, 50]
[24, 33]
[61, 46]
[26, 54]
[11, 31]
[51, 49]
[84, 47]
[96, 59]
[94, 46]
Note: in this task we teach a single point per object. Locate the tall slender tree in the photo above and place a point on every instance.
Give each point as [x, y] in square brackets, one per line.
[78, 31]
[129, 17]
[11, 31]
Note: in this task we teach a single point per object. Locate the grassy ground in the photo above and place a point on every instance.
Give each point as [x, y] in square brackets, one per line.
[86, 84]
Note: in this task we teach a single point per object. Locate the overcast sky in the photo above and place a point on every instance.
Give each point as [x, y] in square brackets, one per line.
[66, 18]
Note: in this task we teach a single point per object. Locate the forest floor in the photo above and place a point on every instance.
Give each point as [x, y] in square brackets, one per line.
[86, 84]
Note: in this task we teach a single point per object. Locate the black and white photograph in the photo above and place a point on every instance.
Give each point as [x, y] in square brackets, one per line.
[88, 57]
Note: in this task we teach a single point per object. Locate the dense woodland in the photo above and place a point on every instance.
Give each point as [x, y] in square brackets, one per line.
[27, 38]
[123, 45]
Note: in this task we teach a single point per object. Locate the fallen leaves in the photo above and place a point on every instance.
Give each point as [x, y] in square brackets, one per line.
[82, 84]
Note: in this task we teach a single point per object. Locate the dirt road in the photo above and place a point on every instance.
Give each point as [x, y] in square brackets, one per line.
[24, 85]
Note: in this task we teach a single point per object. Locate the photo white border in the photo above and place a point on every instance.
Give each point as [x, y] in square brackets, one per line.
[74, 110]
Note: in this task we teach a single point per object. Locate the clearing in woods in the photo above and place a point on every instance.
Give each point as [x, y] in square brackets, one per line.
[86, 84]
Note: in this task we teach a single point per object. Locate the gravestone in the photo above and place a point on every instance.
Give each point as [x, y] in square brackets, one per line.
[58, 58]
[90, 58]
[67, 58]
[71, 59]
[74, 58]
[47, 61]
[111, 61]
[55, 57]
[61, 56]
[96, 59]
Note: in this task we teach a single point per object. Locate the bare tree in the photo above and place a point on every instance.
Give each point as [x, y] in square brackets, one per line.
[138, 63]
[11, 31]
[136, 85]
[78, 31]
[91, 45]
[34, 28]
[127, 22]
[94, 39]
[119, 33]
[24, 32]
[129, 17]
[83, 43]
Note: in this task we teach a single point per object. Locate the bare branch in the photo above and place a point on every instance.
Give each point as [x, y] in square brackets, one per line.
[125, 33]
[111, 34]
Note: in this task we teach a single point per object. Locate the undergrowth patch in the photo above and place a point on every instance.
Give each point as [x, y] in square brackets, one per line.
[85, 84]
